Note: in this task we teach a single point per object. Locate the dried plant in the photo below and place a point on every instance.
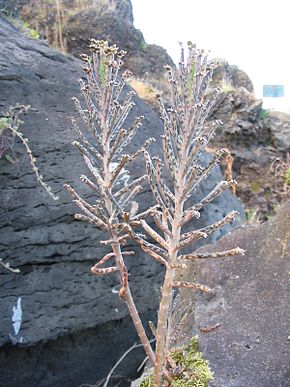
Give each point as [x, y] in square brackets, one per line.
[9, 129]
[280, 169]
[183, 140]
[115, 211]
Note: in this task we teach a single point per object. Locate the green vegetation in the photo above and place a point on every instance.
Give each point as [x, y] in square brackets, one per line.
[252, 215]
[227, 88]
[287, 176]
[191, 369]
[103, 71]
[263, 113]
[24, 27]
[255, 186]
[4, 123]
[143, 46]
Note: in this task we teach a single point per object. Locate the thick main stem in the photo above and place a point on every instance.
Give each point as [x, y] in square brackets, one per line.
[129, 301]
[166, 292]
[166, 298]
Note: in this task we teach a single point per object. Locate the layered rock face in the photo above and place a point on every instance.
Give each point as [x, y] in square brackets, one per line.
[59, 323]
[259, 141]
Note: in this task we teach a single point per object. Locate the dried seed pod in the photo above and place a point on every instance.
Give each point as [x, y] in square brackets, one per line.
[190, 285]
[220, 254]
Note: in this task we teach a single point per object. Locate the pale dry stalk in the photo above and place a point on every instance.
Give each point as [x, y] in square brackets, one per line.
[59, 25]
[114, 211]
[184, 140]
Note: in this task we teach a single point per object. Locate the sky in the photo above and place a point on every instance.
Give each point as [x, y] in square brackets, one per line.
[252, 34]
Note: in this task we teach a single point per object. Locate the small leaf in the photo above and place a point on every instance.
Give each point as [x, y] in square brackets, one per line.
[10, 159]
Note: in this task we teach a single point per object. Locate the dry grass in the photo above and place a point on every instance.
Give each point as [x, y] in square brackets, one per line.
[144, 90]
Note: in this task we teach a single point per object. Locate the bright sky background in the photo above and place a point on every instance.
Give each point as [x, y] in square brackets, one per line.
[253, 34]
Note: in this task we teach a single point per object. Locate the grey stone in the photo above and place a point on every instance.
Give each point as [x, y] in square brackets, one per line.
[231, 76]
[279, 123]
[251, 346]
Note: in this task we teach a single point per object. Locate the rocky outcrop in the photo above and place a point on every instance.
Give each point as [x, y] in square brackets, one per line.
[81, 20]
[259, 142]
[231, 76]
[122, 8]
[247, 124]
[142, 58]
[55, 312]
[251, 345]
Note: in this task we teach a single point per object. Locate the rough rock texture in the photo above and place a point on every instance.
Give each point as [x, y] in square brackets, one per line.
[229, 76]
[122, 8]
[247, 124]
[141, 59]
[60, 300]
[79, 359]
[82, 20]
[251, 346]
[257, 138]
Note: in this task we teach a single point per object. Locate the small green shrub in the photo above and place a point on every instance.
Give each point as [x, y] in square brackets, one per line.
[253, 215]
[143, 46]
[23, 26]
[227, 88]
[191, 369]
[255, 186]
[263, 113]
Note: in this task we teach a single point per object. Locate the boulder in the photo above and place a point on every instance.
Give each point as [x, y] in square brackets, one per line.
[279, 124]
[142, 58]
[231, 76]
[251, 345]
[259, 142]
[59, 323]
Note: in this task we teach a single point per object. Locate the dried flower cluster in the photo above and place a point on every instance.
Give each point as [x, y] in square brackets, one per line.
[183, 141]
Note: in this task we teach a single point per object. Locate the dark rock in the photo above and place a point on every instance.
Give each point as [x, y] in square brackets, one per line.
[279, 124]
[110, 20]
[257, 138]
[122, 8]
[55, 291]
[109, 26]
[240, 112]
[79, 359]
[251, 346]
[141, 57]
[231, 76]
[247, 124]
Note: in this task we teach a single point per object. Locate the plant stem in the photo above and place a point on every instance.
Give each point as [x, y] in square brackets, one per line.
[166, 299]
[59, 26]
[129, 301]
[166, 293]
